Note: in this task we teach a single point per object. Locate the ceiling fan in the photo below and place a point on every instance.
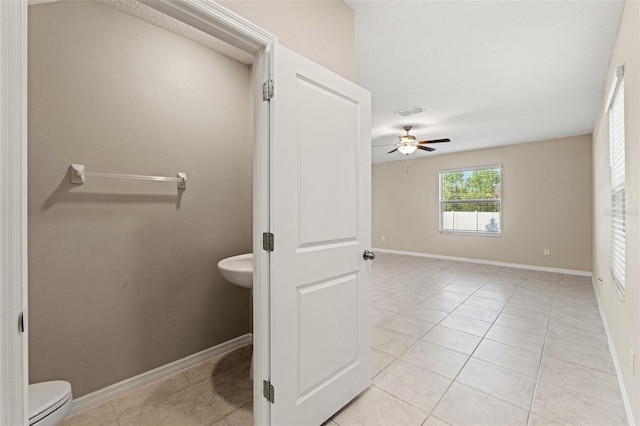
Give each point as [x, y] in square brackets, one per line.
[408, 143]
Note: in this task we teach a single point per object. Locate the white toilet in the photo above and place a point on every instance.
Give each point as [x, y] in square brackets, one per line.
[49, 402]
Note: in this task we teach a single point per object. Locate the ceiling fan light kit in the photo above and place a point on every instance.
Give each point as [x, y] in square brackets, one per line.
[408, 144]
[407, 149]
[407, 139]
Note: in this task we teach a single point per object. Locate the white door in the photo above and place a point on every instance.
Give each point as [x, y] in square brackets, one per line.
[320, 202]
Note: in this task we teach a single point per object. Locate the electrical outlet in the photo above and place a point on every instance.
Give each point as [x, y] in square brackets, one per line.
[384, 238]
[633, 363]
[546, 252]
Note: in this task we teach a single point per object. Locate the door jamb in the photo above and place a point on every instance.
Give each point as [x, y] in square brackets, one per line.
[205, 15]
[13, 211]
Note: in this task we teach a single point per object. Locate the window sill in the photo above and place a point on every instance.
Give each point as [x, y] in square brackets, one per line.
[479, 234]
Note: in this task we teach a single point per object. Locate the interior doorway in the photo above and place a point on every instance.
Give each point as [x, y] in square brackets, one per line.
[213, 20]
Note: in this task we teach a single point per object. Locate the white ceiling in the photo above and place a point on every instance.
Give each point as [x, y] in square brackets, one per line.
[488, 73]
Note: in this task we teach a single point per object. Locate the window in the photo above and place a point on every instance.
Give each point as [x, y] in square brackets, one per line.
[470, 200]
[615, 108]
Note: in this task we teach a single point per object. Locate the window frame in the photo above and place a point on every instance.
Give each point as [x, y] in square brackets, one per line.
[617, 164]
[440, 201]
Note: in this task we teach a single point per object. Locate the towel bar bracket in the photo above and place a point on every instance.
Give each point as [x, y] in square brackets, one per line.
[77, 174]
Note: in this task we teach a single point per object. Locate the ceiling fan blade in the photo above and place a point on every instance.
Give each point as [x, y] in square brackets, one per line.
[434, 141]
[426, 148]
[393, 150]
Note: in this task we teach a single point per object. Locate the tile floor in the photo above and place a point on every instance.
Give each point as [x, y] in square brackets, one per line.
[215, 392]
[453, 343]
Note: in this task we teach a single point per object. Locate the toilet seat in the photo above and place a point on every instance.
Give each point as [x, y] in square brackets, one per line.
[46, 398]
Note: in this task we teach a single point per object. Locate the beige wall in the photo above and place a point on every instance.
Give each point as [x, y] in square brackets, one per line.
[623, 317]
[122, 274]
[323, 31]
[546, 200]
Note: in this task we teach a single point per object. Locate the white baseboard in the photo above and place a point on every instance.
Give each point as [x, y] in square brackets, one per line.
[488, 262]
[102, 395]
[616, 363]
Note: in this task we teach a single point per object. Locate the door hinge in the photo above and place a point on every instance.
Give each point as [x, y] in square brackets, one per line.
[267, 90]
[268, 391]
[267, 241]
[21, 322]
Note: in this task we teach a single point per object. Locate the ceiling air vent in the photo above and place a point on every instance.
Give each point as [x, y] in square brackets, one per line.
[410, 111]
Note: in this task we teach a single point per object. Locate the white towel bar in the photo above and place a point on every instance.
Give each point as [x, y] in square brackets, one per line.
[78, 176]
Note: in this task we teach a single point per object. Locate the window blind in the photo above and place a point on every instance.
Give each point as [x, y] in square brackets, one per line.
[617, 156]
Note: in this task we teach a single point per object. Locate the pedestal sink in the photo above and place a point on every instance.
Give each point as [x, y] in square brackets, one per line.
[238, 270]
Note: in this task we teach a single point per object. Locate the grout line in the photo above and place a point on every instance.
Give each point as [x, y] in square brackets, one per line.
[402, 400]
[577, 364]
[544, 344]
[115, 412]
[227, 415]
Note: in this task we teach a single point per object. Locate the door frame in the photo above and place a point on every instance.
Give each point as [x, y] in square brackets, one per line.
[13, 211]
[205, 15]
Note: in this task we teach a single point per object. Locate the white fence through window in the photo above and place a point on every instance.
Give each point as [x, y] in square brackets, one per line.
[471, 221]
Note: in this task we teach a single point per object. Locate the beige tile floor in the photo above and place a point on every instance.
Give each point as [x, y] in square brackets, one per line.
[215, 392]
[452, 343]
